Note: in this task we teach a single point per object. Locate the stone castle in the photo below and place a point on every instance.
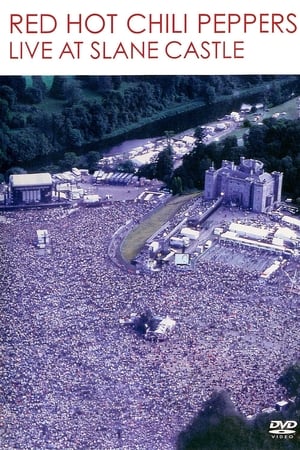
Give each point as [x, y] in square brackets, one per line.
[246, 185]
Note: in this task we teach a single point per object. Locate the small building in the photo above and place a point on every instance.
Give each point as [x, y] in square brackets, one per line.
[282, 405]
[182, 259]
[30, 188]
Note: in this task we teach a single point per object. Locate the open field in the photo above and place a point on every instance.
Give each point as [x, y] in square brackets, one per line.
[289, 107]
[137, 238]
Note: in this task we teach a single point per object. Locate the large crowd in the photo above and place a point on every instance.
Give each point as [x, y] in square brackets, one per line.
[74, 379]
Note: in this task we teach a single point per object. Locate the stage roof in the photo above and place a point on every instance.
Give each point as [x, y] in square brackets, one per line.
[30, 179]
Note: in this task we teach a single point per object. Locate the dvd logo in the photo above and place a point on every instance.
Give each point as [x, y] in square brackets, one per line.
[284, 429]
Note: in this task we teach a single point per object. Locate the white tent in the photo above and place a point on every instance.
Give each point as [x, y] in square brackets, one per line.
[249, 231]
[286, 234]
[291, 220]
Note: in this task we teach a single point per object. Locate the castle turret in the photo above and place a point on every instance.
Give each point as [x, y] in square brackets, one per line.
[210, 185]
[277, 177]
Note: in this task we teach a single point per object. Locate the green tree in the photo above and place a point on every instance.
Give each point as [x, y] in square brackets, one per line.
[256, 140]
[92, 159]
[290, 379]
[126, 166]
[147, 171]
[229, 142]
[215, 152]
[176, 185]
[14, 171]
[16, 83]
[8, 94]
[33, 95]
[73, 91]
[4, 111]
[58, 88]
[69, 161]
[26, 144]
[73, 136]
[275, 95]
[211, 95]
[287, 162]
[217, 427]
[200, 134]
[164, 165]
[4, 160]
[38, 83]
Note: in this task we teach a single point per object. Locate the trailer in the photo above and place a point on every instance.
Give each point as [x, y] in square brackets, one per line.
[91, 199]
[178, 242]
[190, 233]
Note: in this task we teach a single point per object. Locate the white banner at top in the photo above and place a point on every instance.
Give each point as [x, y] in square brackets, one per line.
[142, 37]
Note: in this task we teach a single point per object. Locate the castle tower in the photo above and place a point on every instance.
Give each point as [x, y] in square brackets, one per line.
[277, 177]
[210, 184]
[258, 197]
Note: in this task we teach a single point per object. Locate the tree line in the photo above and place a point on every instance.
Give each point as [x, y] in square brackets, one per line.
[276, 143]
[42, 122]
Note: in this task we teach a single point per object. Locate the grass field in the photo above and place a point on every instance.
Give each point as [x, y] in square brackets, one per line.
[137, 238]
[289, 107]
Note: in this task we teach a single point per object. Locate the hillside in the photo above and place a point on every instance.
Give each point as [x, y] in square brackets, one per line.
[44, 119]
